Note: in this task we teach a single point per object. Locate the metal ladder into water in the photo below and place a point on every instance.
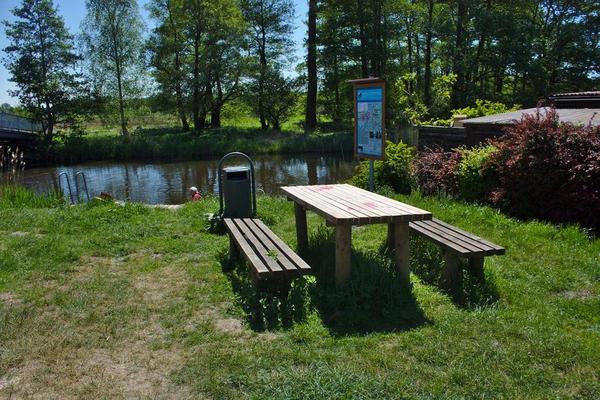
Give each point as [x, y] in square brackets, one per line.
[77, 190]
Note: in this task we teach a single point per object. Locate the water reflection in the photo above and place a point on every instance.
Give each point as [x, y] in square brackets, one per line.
[168, 183]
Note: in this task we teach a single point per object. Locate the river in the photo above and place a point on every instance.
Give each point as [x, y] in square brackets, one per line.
[169, 183]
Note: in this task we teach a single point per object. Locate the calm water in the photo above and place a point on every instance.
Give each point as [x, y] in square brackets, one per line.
[168, 183]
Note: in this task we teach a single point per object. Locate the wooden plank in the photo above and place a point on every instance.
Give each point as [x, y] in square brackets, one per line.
[500, 250]
[403, 207]
[295, 258]
[348, 199]
[477, 245]
[331, 215]
[353, 214]
[281, 259]
[343, 253]
[438, 239]
[396, 210]
[247, 251]
[260, 249]
[359, 197]
[460, 240]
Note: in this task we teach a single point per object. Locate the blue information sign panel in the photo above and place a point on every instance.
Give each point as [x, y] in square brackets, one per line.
[369, 120]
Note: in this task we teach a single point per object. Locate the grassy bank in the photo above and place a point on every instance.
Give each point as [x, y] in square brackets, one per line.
[105, 301]
[167, 144]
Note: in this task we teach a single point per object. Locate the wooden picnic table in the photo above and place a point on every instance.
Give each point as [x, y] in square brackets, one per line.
[345, 205]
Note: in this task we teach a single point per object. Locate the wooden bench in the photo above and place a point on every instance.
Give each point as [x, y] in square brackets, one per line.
[269, 258]
[456, 243]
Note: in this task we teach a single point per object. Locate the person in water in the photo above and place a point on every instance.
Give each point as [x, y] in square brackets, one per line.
[196, 196]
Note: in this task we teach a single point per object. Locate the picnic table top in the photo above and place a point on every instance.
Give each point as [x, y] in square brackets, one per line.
[347, 204]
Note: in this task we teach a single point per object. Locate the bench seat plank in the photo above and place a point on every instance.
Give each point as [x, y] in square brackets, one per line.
[244, 246]
[267, 254]
[455, 239]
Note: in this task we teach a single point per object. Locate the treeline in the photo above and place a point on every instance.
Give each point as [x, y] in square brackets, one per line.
[201, 54]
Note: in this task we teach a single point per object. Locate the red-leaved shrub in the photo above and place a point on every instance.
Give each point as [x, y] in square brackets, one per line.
[435, 171]
[548, 170]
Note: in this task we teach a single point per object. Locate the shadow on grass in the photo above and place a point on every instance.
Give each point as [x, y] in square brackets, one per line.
[268, 307]
[473, 292]
[374, 300]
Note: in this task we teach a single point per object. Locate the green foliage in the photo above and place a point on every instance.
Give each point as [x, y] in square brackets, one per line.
[484, 107]
[41, 61]
[395, 171]
[480, 109]
[474, 181]
[13, 196]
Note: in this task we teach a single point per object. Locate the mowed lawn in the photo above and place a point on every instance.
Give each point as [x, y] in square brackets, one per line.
[107, 301]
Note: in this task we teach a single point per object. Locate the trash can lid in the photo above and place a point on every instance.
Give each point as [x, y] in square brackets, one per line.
[238, 168]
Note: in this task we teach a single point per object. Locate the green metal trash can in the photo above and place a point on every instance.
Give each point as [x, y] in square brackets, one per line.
[237, 188]
[237, 191]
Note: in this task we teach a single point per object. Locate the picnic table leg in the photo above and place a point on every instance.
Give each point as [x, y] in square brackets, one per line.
[301, 228]
[390, 237]
[402, 251]
[343, 249]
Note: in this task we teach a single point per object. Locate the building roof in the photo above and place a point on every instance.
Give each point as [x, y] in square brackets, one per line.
[576, 116]
[576, 100]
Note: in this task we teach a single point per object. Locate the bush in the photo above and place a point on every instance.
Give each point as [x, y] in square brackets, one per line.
[548, 170]
[394, 171]
[475, 179]
[436, 171]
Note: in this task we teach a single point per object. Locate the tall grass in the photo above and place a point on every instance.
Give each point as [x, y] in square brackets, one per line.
[13, 196]
[157, 144]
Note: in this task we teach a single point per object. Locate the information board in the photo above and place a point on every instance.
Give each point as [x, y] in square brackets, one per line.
[369, 119]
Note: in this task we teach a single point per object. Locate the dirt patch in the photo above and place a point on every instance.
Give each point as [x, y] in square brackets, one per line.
[167, 283]
[10, 299]
[229, 325]
[24, 233]
[138, 365]
[579, 295]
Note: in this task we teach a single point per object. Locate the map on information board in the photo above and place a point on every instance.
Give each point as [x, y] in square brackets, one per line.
[369, 120]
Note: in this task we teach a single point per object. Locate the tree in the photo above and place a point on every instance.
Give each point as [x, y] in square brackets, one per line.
[41, 61]
[271, 29]
[282, 99]
[168, 51]
[112, 37]
[224, 44]
[310, 120]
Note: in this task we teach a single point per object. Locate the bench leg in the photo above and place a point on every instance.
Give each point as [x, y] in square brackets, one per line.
[234, 253]
[343, 250]
[401, 249]
[476, 267]
[451, 275]
[301, 228]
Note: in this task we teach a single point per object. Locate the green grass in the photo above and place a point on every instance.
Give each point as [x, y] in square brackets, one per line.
[103, 301]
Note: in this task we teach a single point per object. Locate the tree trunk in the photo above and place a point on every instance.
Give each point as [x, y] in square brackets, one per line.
[262, 115]
[364, 59]
[177, 77]
[196, 86]
[310, 119]
[121, 101]
[428, 36]
[458, 93]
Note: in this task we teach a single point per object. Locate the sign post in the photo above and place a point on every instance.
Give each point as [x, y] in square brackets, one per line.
[369, 121]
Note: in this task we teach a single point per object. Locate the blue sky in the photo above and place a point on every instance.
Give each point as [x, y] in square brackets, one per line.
[73, 11]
